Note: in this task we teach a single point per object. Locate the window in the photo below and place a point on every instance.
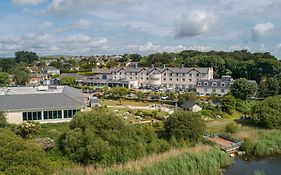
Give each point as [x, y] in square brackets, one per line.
[183, 74]
[171, 79]
[205, 83]
[31, 116]
[70, 113]
[141, 73]
[177, 79]
[114, 77]
[205, 90]
[104, 76]
[223, 84]
[214, 90]
[183, 79]
[190, 80]
[190, 75]
[147, 78]
[114, 73]
[136, 78]
[136, 73]
[131, 77]
[171, 74]
[120, 73]
[177, 74]
[199, 83]
[197, 75]
[222, 90]
[141, 78]
[164, 74]
[214, 84]
[164, 79]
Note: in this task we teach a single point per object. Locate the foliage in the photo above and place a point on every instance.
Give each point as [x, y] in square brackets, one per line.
[26, 57]
[188, 163]
[4, 79]
[86, 73]
[268, 144]
[20, 73]
[27, 129]
[242, 88]
[100, 137]
[46, 143]
[268, 87]
[231, 128]
[188, 96]
[57, 64]
[186, 126]
[267, 113]
[228, 104]
[18, 156]
[244, 106]
[68, 80]
[3, 120]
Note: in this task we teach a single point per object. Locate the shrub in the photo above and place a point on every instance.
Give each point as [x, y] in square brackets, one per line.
[3, 120]
[27, 129]
[231, 128]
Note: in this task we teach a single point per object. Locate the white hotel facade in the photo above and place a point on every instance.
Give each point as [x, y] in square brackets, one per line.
[184, 77]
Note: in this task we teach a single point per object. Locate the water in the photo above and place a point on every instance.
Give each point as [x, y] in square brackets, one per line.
[269, 166]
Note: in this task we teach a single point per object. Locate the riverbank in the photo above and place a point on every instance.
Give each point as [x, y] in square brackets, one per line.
[199, 160]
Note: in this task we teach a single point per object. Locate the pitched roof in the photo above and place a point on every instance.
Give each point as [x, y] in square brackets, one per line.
[64, 98]
[188, 104]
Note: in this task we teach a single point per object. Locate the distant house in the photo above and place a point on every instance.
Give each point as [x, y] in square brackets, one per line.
[35, 79]
[93, 102]
[191, 106]
[214, 86]
[42, 104]
[51, 70]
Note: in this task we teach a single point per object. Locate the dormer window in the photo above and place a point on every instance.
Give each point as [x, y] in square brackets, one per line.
[223, 84]
[214, 84]
[205, 83]
[199, 83]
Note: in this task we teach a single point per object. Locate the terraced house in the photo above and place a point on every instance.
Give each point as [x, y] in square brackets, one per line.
[168, 77]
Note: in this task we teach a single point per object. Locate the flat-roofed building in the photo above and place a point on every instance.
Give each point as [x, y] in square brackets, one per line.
[42, 104]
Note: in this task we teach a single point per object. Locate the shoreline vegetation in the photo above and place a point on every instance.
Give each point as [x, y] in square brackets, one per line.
[201, 159]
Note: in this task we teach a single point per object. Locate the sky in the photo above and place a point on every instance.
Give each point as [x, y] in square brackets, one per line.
[97, 27]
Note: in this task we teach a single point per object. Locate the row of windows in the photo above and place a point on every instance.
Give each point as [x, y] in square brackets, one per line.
[214, 90]
[48, 115]
[165, 74]
[164, 79]
[214, 84]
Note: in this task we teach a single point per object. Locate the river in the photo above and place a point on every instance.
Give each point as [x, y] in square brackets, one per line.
[269, 166]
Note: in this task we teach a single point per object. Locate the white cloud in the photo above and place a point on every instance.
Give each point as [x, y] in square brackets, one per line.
[44, 43]
[27, 2]
[68, 6]
[82, 23]
[150, 47]
[261, 30]
[194, 23]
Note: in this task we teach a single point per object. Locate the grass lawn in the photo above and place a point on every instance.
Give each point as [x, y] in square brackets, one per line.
[106, 102]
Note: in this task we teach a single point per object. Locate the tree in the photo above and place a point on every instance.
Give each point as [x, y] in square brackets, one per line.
[267, 113]
[100, 137]
[186, 126]
[228, 104]
[19, 156]
[268, 87]
[26, 57]
[20, 73]
[68, 80]
[242, 88]
[4, 79]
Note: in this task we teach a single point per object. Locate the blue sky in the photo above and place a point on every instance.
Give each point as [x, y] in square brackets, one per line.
[91, 27]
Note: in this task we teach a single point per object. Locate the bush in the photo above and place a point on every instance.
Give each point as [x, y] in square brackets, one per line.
[3, 120]
[231, 128]
[186, 126]
[27, 129]
[18, 156]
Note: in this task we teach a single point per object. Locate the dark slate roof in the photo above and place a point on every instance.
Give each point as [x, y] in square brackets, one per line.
[150, 69]
[188, 104]
[219, 83]
[68, 98]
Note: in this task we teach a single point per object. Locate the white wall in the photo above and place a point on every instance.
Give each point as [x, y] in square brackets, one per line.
[14, 117]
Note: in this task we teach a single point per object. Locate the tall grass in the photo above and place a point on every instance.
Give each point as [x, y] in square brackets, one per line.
[199, 160]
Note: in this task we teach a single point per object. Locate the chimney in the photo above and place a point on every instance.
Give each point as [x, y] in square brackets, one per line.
[152, 66]
[164, 66]
[182, 66]
[136, 65]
